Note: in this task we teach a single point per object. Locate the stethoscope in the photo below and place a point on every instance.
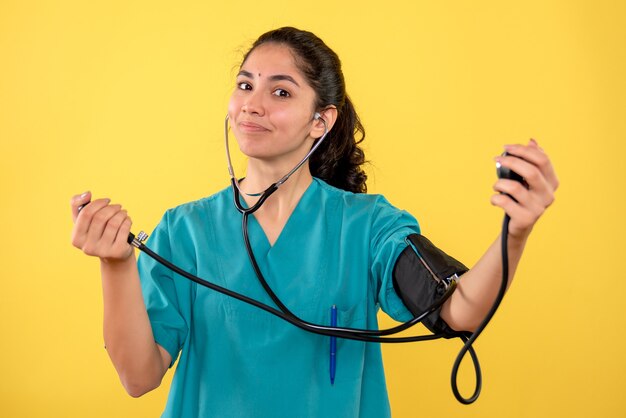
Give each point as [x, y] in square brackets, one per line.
[377, 336]
[349, 333]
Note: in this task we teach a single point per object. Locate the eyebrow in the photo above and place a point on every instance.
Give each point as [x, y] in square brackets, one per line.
[277, 77]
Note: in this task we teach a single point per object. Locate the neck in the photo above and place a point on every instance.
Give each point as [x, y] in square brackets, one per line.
[260, 176]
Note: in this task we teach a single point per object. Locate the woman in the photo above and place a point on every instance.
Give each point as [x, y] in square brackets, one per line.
[319, 240]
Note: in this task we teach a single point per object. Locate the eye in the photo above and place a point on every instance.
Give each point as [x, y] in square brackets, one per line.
[244, 85]
[281, 93]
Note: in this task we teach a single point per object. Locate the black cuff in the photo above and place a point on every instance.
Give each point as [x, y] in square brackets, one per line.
[420, 278]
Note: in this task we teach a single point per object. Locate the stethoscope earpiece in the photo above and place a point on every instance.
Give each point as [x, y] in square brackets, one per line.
[265, 194]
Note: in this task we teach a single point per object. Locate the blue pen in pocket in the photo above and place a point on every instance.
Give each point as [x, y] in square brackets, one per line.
[333, 345]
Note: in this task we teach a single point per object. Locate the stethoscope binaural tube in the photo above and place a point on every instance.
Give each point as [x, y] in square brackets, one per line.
[378, 336]
[274, 186]
[283, 312]
[263, 196]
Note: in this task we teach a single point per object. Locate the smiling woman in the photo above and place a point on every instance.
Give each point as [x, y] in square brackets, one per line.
[313, 66]
[232, 359]
[271, 111]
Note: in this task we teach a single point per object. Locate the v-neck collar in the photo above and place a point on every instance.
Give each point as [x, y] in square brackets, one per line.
[257, 234]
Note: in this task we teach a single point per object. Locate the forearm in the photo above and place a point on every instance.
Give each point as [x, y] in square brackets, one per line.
[127, 331]
[524, 202]
[478, 288]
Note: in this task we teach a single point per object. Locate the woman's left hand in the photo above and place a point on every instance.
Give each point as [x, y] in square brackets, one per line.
[525, 205]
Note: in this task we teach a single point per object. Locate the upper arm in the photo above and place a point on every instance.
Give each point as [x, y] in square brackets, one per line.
[166, 359]
[390, 227]
[167, 300]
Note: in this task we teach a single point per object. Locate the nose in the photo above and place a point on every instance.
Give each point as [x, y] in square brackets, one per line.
[253, 103]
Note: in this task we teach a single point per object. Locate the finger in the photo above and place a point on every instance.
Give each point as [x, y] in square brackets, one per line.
[532, 142]
[524, 197]
[83, 222]
[77, 201]
[99, 221]
[521, 218]
[532, 175]
[536, 156]
[529, 153]
[506, 202]
[112, 227]
[120, 244]
[548, 170]
[513, 188]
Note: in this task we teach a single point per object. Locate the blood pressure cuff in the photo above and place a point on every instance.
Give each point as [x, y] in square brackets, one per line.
[420, 278]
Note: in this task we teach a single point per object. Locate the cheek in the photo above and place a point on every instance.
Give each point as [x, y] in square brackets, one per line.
[290, 119]
[233, 106]
[282, 117]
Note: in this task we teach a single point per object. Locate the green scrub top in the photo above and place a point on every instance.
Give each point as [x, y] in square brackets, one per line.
[337, 248]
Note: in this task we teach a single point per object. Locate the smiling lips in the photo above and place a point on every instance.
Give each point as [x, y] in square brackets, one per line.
[247, 126]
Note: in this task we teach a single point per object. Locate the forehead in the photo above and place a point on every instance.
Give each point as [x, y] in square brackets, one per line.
[272, 59]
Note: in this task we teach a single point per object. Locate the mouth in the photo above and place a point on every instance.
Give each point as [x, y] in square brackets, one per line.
[248, 126]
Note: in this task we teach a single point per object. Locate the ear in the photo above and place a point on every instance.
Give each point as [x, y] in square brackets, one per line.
[329, 115]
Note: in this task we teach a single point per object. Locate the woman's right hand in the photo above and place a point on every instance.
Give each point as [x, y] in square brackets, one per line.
[100, 228]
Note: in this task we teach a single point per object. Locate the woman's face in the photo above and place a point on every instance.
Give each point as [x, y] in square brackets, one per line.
[271, 109]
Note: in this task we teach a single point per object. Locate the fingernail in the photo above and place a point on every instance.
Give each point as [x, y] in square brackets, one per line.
[532, 141]
[84, 194]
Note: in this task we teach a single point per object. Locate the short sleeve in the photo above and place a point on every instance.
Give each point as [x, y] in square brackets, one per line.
[390, 227]
[164, 293]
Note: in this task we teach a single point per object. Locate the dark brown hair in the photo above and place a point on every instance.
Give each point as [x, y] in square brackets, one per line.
[338, 160]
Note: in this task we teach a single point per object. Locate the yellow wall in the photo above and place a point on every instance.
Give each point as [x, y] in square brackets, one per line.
[127, 99]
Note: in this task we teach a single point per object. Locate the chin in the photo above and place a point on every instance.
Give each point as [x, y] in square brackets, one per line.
[268, 149]
[253, 149]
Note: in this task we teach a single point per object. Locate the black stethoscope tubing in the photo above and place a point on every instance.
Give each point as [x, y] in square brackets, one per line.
[327, 331]
[364, 334]
[377, 336]
[246, 212]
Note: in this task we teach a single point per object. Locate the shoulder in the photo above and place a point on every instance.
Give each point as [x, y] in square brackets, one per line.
[349, 197]
[374, 203]
[371, 211]
[193, 221]
[201, 206]
[186, 217]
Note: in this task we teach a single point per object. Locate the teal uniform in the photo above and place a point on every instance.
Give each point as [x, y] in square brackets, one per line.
[337, 248]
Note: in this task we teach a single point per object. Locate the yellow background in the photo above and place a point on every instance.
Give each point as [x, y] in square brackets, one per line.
[127, 99]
